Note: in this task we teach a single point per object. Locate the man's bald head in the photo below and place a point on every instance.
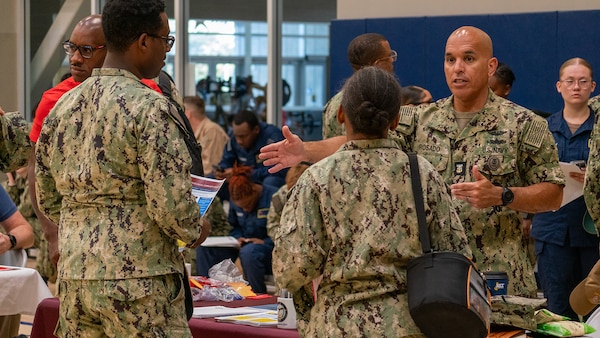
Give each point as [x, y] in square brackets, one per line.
[468, 64]
[483, 40]
[87, 32]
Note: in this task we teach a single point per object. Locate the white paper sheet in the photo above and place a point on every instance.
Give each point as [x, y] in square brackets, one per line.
[221, 241]
[573, 189]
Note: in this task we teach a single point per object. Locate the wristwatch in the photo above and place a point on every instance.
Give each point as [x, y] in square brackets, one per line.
[507, 196]
[13, 240]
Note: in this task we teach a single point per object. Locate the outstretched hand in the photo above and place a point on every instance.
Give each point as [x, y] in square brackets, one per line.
[283, 154]
[480, 194]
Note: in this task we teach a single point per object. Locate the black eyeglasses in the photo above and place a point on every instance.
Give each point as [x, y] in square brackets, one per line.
[85, 51]
[170, 40]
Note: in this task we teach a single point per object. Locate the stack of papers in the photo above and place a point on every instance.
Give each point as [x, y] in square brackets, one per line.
[265, 318]
[221, 241]
[219, 311]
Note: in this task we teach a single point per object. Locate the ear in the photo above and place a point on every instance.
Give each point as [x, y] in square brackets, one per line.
[492, 66]
[341, 117]
[558, 85]
[143, 42]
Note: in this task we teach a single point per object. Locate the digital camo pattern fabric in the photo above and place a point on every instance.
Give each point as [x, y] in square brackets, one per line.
[351, 218]
[512, 147]
[15, 146]
[113, 172]
[331, 127]
[591, 188]
[278, 200]
[147, 303]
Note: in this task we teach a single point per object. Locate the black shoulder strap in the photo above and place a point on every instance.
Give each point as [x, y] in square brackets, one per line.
[415, 177]
[178, 114]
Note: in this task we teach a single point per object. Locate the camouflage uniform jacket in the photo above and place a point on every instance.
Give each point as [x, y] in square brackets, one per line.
[274, 216]
[331, 126]
[591, 189]
[15, 146]
[113, 172]
[512, 147]
[351, 217]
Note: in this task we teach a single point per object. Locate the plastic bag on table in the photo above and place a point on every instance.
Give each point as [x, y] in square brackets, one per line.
[226, 271]
[226, 294]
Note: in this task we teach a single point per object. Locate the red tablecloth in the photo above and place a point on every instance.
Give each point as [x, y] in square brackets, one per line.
[46, 317]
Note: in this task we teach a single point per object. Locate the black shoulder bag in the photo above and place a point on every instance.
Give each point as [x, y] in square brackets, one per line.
[447, 296]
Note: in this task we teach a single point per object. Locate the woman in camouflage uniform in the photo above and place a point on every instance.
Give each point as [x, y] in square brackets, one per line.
[351, 218]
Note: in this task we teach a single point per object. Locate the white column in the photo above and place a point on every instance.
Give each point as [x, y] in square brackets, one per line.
[182, 10]
[274, 87]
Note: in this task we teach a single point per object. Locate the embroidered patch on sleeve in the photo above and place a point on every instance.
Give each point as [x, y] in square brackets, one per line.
[536, 133]
[407, 115]
[262, 213]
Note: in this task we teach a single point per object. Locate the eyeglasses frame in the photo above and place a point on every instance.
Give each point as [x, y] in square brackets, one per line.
[570, 83]
[68, 45]
[170, 39]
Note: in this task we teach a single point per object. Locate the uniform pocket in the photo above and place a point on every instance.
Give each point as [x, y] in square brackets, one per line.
[127, 290]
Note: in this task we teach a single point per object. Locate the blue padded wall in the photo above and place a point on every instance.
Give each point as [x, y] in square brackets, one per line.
[534, 45]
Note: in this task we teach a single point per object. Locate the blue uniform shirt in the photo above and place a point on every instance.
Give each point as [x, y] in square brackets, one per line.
[566, 223]
[235, 153]
[8, 206]
[252, 224]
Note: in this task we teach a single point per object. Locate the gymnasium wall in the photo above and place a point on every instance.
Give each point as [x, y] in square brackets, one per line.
[534, 45]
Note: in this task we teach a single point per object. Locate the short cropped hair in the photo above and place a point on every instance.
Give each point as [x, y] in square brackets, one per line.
[123, 21]
[365, 49]
[246, 116]
[505, 74]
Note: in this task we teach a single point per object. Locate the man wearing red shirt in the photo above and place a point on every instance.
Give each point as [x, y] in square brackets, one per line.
[86, 49]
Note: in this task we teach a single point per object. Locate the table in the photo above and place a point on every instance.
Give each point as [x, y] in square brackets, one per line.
[21, 290]
[46, 317]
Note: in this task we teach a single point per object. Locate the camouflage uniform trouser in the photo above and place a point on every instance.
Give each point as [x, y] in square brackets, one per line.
[144, 307]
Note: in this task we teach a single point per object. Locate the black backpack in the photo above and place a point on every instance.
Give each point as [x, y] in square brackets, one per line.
[164, 83]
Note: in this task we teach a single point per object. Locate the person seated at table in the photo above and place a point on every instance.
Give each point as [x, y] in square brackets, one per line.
[248, 218]
[17, 235]
[245, 140]
[350, 217]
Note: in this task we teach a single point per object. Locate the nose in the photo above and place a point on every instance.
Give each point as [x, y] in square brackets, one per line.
[76, 57]
[459, 65]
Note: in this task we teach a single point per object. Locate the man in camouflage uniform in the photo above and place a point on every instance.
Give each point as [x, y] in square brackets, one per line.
[351, 218]
[499, 158]
[370, 49]
[111, 172]
[591, 188]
